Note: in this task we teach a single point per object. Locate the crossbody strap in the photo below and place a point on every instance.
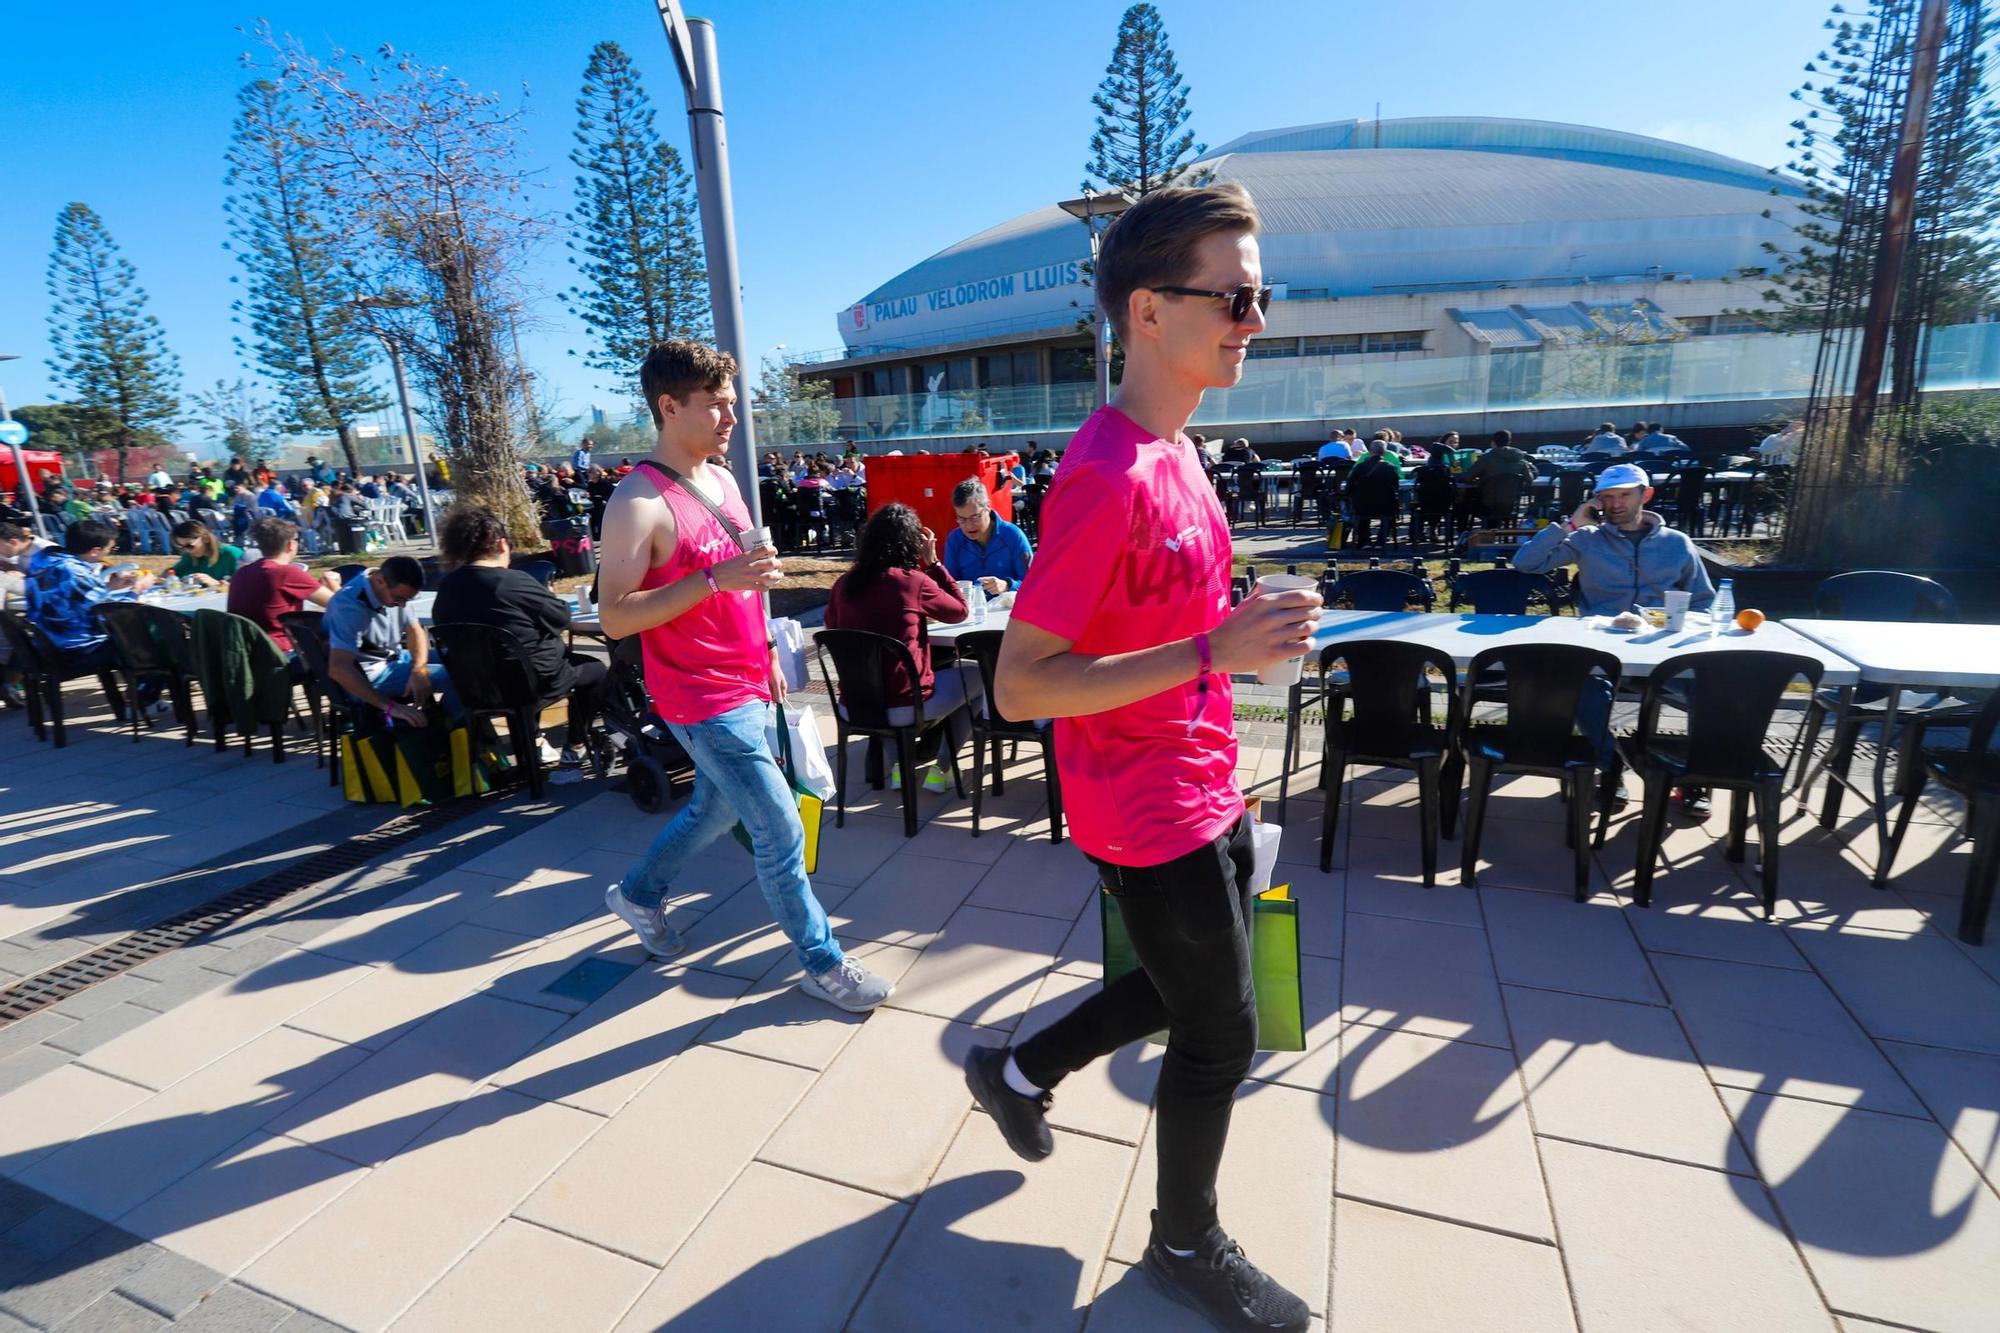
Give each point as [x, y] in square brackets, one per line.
[694, 493]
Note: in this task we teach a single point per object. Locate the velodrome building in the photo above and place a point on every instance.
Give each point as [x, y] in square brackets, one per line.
[1420, 239]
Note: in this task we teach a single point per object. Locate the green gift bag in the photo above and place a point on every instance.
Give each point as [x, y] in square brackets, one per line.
[1274, 964]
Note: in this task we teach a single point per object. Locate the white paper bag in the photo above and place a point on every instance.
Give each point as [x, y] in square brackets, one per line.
[1264, 839]
[814, 773]
[788, 637]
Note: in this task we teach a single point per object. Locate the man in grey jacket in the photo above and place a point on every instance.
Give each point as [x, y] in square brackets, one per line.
[1625, 556]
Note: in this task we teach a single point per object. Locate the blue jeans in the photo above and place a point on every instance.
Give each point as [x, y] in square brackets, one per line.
[393, 679]
[735, 778]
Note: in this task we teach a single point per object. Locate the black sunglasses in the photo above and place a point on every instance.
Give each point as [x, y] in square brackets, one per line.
[1239, 299]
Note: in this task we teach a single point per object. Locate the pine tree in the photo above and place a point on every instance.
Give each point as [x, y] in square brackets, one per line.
[109, 353]
[639, 252]
[1139, 144]
[1838, 140]
[313, 346]
[249, 423]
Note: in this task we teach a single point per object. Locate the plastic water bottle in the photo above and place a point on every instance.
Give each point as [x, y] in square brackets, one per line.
[1722, 613]
[978, 602]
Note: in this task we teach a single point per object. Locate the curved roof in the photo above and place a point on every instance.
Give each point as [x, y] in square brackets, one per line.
[1442, 202]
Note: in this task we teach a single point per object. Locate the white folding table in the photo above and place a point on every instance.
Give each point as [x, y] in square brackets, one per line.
[1464, 637]
[1898, 655]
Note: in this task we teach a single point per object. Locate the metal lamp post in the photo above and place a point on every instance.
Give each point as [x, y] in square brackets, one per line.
[403, 393]
[22, 481]
[1088, 207]
[693, 45]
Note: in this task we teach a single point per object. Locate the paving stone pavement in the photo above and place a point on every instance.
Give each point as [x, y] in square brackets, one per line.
[448, 1092]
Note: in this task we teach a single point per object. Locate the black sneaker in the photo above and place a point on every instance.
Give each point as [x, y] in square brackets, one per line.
[1220, 1283]
[1023, 1121]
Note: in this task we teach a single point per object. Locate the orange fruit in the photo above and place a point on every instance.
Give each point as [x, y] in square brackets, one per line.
[1749, 618]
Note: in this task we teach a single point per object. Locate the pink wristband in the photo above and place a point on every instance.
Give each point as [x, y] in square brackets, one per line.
[1207, 662]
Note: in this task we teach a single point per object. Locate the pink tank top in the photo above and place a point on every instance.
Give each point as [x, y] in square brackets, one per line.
[716, 657]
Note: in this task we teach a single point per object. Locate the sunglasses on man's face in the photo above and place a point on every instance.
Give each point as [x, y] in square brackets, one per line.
[1239, 298]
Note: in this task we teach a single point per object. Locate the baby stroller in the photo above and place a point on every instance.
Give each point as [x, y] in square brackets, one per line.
[657, 769]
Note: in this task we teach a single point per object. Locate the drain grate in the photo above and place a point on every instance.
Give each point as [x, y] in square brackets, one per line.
[38, 992]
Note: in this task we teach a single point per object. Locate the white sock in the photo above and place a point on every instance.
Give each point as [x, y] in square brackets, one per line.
[1016, 1080]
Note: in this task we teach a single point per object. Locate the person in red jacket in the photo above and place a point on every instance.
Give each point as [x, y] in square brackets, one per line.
[896, 584]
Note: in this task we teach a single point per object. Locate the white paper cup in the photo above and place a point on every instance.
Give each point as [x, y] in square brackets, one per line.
[1287, 672]
[1677, 608]
[758, 539]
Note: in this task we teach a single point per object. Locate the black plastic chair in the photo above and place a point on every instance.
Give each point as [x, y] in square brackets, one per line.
[343, 716]
[857, 667]
[1974, 773]
[1730, 703]
[1388, 683]
[1379, 590]
[298, 626]
[350, 572]
[1873, 594]
[541, 571]
[1540, 685]
[43, 668]
[983, 647]
[490, 674]
[1501, 592]
[154, 644]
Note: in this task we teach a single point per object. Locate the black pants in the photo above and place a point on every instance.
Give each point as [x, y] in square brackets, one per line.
[1375, 527]
[1189, 924]
[586, 695]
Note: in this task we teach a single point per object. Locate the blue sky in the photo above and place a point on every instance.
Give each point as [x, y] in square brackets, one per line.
[864, 136]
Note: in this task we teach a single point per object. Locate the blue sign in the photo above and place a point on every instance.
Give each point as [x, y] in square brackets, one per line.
[13, 432]
[1046, 278]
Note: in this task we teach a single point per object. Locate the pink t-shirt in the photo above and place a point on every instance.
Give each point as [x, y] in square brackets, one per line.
[1135, 553]
[716, 657]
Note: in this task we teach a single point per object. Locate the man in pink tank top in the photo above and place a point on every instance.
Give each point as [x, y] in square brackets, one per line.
[1123, 633]
[673, 572]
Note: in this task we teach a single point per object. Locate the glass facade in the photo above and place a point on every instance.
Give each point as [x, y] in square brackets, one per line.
[1739, 367]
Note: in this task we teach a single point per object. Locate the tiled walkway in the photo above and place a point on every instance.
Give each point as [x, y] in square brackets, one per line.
[469, 1102]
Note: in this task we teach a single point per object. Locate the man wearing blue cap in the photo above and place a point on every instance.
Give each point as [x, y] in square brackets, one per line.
[1625, 556]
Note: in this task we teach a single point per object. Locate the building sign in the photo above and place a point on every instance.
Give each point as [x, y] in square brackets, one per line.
[1047, 277]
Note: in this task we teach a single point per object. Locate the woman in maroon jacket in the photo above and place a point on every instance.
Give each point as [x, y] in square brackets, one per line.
[895, 584]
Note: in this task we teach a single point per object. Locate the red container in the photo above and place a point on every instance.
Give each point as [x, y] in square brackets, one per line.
[924, 482]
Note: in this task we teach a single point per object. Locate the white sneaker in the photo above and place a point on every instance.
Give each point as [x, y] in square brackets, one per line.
[938, 781]
[551, 757]
[160, 707]
[661, 940]
[848, 985]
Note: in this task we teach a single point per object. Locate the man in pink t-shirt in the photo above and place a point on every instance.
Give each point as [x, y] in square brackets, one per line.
[1123, 633]
[677, 567]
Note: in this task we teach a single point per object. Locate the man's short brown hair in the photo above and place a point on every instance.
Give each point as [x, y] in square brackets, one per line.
[273, 535]
[1153, 243]
[680, 368]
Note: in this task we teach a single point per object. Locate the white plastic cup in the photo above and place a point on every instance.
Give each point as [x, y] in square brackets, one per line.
[1677, 609]
[1287, 672]
[583, 607]
[758, 539]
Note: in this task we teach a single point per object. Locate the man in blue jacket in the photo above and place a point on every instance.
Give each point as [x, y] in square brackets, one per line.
[984, 547]
[1625, 556]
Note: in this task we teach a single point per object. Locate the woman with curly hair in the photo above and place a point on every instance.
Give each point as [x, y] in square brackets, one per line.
[896, 583]
[481, 589]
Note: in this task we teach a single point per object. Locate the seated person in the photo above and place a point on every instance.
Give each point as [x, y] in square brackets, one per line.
[1435, 495]
[1374, 492]
[1607, 443]
[1625, 556]
[378, 651]
[204, 559]
[61, 586]
[894, 584]
[1503, 474]
[278, 585]
[984, 547]
[273, 498]
[482, 590]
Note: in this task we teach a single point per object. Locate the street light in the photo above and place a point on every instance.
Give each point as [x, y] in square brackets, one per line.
[1087, 208]
[397, 301]
[25, 486]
